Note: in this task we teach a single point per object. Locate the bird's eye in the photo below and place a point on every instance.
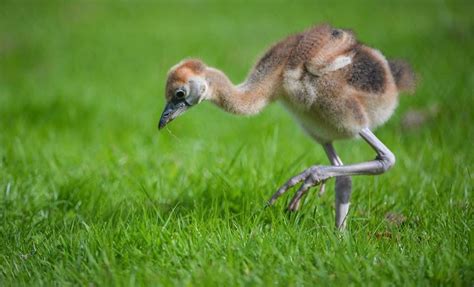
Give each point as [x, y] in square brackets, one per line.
[180, 94]
[336, 33]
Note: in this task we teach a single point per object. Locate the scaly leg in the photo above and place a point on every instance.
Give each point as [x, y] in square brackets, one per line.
[318, 174]
[343, 188]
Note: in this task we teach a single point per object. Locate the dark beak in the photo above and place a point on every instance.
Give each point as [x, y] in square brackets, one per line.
[171, 112]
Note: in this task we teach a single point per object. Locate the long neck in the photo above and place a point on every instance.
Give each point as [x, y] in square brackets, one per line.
[261, 87]
[247, 98]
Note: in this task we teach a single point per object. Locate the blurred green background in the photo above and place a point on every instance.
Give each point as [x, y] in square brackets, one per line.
[92, 193]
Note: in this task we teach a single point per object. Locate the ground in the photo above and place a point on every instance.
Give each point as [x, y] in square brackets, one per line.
[92, 194]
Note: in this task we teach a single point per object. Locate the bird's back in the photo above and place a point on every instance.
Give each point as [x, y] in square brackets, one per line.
[336, 86]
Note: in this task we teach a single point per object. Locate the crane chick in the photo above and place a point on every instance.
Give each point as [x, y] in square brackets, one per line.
[336, 88]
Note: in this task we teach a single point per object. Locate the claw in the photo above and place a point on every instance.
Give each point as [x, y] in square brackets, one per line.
[311, 177]
[295, 202]
[284, 188]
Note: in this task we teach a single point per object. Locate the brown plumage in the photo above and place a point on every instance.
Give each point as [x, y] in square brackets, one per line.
[335, 86]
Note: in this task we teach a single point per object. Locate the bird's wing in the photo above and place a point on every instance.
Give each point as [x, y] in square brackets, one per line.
[319, 66]
[324, 49]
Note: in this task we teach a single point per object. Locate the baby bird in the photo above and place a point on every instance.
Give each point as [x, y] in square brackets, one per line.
[336, 88]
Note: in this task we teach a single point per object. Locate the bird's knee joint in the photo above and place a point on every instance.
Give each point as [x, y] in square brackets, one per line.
[388, 160]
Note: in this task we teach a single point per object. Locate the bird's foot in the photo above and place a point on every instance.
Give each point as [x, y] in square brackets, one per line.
[310, 177]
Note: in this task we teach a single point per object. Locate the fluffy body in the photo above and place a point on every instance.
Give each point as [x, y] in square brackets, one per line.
[332, 84]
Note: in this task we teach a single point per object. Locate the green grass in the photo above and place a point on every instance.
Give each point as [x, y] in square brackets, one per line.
[92, 194]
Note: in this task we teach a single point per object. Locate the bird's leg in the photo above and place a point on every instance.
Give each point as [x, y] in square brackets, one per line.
[318, 174]
[343, 188]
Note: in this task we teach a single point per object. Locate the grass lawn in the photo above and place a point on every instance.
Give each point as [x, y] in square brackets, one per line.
[92, 194]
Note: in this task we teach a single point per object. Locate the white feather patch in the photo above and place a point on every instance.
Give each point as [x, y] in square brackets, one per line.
[338, 63]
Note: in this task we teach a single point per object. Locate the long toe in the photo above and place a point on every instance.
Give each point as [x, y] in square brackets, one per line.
[311, 177]
[295, 202]
[284, 188]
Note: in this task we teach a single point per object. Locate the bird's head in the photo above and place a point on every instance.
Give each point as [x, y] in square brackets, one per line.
[186, 87]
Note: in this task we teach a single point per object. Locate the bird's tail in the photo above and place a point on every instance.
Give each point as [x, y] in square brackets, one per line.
[405, 78]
